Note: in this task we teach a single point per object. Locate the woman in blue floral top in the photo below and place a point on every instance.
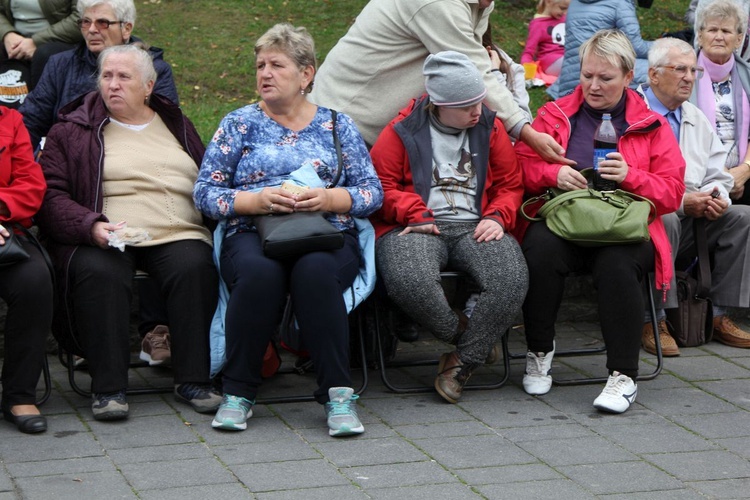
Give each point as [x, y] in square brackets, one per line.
[256, 148]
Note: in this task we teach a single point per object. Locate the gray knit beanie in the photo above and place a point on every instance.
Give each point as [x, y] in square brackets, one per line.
[452, 80]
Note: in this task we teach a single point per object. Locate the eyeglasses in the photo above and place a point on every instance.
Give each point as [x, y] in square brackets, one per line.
[101, 24]
[681, 71]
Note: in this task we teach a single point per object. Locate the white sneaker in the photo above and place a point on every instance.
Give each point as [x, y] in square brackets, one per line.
[536, 381]
[618, 394]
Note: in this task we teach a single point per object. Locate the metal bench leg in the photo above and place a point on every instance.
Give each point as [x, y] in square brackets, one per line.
[47, 378]
[431, 362]
[657, 341]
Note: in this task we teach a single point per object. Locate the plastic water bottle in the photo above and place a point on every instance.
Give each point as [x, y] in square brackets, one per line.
[605, 141]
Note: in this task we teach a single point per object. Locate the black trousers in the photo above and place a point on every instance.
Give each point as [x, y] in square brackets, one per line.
[101, 284]
[26, 288]
[259, 286]
[618, 273]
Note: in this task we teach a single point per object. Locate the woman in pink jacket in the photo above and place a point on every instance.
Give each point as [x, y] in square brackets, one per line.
[647, 162]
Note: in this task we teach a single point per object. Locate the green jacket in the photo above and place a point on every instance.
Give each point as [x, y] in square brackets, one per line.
[61, 15]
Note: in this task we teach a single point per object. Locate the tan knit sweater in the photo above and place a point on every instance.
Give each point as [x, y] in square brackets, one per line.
[148, 183]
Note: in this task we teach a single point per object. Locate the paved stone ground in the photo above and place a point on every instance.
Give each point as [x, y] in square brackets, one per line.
[687, 436]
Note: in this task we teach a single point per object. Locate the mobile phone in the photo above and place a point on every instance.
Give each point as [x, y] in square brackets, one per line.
[715, 193]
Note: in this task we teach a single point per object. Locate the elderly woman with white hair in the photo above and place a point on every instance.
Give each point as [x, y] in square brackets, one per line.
[648, 163]
[452, 191]
[124, 154]
[724, 91]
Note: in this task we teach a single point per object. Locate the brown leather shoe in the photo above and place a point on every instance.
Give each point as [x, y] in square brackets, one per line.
[726, 332]
[668, 345]
[452, 376]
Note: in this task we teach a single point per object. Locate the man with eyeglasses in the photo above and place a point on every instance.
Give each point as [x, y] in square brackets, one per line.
[70, 74]
[672, 73]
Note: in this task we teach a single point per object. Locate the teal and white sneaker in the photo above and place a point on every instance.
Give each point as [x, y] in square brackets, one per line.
[341, 411]
[233, 413]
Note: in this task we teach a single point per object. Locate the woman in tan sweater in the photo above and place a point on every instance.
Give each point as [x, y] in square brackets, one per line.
[118, 155]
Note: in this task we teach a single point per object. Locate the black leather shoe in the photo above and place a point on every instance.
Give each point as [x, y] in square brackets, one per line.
[28, 424]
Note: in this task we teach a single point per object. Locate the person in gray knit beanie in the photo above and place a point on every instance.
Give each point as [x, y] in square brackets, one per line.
[452, 189]
[452, 80]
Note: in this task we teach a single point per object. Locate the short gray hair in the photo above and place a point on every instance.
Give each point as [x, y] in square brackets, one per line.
[124, 9]
[296, 43]
[722, 9]
[143, 61]
[613, 46]
[661, 47]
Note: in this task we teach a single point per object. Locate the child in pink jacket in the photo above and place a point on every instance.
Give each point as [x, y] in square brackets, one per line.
[546, 41]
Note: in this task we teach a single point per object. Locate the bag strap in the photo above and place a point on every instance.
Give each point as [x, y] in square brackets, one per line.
[704, 265]
[339, 157]
[35, 241]
[536, 199]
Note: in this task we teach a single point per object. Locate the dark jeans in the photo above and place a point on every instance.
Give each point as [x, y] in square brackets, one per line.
[26, 288]
[618, 271]
[101, 284]
[152, 311]
[259, 286]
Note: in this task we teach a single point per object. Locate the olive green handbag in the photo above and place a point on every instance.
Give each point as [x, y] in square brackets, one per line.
[588, 217]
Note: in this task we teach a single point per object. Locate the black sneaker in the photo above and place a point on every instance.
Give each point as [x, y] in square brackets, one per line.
[203, 398]
[109, 406]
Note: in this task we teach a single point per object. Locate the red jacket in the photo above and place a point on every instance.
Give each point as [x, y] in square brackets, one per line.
[22, 184]
[402, 157]
[648, 146]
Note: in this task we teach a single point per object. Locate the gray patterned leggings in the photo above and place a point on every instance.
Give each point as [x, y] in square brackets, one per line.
[410, 266]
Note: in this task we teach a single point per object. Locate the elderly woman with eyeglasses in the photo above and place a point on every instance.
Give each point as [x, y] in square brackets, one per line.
[722, 94]
[70, 74]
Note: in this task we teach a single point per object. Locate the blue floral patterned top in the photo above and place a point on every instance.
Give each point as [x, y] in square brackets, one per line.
[251, 151]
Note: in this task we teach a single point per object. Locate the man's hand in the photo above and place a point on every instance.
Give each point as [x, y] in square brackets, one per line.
[544, 145]
[702, 204]
[716, 208]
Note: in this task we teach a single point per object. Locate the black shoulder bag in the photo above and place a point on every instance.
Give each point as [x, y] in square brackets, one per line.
[692, 320]
[289, 235]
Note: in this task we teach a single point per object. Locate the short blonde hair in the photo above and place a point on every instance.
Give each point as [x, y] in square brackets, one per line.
[296, 43]
[611, 45]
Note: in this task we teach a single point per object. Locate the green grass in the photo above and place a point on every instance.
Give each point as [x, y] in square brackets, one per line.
[210, 43]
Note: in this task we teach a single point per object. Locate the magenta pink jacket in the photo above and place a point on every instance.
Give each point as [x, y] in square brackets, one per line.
[648, 146]
[539, 44]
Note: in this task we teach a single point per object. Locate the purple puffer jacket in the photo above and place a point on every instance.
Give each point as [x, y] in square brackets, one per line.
[72, 162]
